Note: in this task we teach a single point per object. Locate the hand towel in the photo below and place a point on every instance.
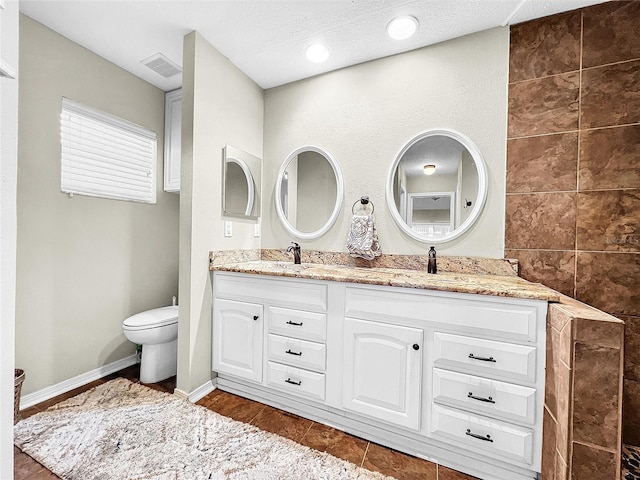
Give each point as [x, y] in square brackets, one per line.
[362, 240]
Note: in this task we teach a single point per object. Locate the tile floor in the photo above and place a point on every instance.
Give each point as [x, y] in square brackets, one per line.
[312, 434]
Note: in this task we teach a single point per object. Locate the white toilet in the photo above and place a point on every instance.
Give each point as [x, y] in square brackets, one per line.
[157, 331]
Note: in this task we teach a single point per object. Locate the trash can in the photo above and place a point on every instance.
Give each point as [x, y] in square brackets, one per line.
[18, 379]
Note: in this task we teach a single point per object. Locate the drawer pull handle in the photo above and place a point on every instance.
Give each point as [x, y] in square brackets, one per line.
[288, 380]
[256, 317]
[482, 399]
[486, 438]
[299, 354]
[482, 359]
[289, 322]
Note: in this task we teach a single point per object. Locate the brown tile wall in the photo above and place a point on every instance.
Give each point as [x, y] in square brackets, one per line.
[573, 190]
[583, 405]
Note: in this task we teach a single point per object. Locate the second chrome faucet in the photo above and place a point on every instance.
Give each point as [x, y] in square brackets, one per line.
[295, 248]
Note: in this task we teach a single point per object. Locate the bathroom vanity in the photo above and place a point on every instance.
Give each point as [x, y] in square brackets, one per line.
[449, 367]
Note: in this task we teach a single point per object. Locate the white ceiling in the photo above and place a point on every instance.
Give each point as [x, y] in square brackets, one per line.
[267, 39]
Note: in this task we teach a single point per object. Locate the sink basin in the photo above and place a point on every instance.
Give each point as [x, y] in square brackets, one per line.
[287, 265]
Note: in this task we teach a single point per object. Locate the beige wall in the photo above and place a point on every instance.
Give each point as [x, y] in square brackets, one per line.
[364, 115]
[83, 264]
[8, 170]
[220, 105]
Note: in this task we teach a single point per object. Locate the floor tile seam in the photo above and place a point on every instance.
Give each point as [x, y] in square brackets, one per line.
[306, 431]
[366, 451]
[250, 422]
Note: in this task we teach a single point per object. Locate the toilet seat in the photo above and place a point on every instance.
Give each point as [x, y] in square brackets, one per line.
[158, 317]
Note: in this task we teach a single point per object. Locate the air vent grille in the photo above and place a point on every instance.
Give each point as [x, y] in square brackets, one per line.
[162, 65]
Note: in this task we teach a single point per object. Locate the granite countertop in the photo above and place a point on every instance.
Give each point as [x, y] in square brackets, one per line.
[496, 285]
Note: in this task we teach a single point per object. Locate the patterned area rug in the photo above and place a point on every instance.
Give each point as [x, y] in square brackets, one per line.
[630, 463]
[123, 430]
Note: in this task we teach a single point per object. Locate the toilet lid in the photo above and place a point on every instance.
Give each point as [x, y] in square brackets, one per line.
[158, 317]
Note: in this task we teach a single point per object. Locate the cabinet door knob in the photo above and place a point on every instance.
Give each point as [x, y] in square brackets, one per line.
[256, 317]
[416, 346]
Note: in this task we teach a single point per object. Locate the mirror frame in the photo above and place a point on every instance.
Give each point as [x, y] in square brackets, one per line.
[480, 201]
[242, 159]
[339, 194]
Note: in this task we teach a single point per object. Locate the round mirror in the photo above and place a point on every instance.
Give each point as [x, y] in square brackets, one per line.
[309, 192]
[239, 188]
[241, 179]
[437, 186]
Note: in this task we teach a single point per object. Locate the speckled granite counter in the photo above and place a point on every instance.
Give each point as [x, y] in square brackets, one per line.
[496, 285]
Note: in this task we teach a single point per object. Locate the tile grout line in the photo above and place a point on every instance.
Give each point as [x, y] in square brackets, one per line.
[595, 190]
[575, 245]
[579, 69]
[544, 77]
[307, 431]
[365, 455]
[256, 415]
[596, 447]
[564, 132]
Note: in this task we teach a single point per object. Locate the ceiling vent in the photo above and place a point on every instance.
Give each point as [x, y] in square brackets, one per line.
[162, 65]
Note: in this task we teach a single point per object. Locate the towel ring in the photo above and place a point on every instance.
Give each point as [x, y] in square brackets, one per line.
[364, 200]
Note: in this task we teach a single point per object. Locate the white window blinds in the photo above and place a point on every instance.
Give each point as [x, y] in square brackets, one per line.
[106, 156]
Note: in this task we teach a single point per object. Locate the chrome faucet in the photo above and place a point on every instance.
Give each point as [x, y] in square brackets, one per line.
[295, 248]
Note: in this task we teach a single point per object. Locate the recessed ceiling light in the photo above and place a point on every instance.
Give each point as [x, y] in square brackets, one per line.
[401, 28]
[429, 169]
[317, 53]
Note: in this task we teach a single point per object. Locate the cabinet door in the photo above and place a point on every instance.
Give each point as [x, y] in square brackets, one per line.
[237, 339]
[172, 140]
[382, 371]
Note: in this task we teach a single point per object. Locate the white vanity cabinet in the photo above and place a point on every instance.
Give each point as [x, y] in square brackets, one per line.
[238, 339]
[383, 371]
[292, 339]
[455, 378]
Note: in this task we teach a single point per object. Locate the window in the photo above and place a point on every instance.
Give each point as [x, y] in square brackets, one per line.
[106, 156]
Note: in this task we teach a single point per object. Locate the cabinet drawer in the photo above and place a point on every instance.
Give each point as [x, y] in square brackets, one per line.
[505, 319]
[485, 357]
[488, 397]
[294, 293]
[296, 381]
[298, 353]
[298, 324]
[492, 437]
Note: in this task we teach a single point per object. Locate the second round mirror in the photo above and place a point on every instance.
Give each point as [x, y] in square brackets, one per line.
[437, 186]
[309, 192]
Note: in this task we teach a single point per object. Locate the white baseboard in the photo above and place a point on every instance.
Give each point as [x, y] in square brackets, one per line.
[34, 398]
[201, 391]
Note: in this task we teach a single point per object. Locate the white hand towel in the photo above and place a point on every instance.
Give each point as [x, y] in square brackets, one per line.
[363, 238]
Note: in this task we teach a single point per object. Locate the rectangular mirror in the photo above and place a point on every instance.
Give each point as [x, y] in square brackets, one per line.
[241, 180]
